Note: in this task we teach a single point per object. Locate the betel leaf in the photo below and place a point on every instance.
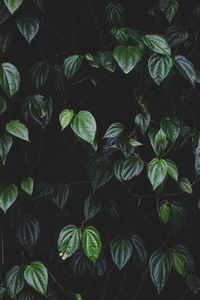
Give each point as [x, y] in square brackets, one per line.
[69, 240]
[157, 171]
[107, 61]
[40, 108]
[184, 185]
[2, 292]
[159, 67]
[142, 121]
[185, 68]
[18, 129]
[26, 295]
[163, 4]
[187, 257]
[134, 143]
[193, 282]
[100, 171]
[158, 140]
[157, 43]
[71, 65]
[178, 262]
[115, 14]
[5, 146]
[14, 281]
[27, 234]
[92, 207]
[121, 251]
[176, 217]
[127, 57]
[84, 126]
[78, 263]
[13, 5]
[172, 169]
[197, 161]
[114, 130]
[9, 79]
[176, 36]
[8, 195]
[120, 35]
[160, 265]
[65, 117]
[27, 185]
[139, 252]
[100, 267]
[3, 105]
[171, 127]
[127, 169]
[171, 10]
[91, 243]
[39, 74]
[164, 212]
[60, 194]
[36, 276]
[94, 60]
[28, 25]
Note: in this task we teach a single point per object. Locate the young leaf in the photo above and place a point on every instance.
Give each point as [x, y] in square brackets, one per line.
[157, 171]
[5, 146]
[28, 25]
[184, 185]
[60, 194]
[185, 68]
[134, 143]
[13, 5]
[143, 121]
[171, 127]
[27, 234]
[36, 276]
[127, 169]
[71, 65]
[114, 130]
[127, 57]
[84, 126]
[91, 243]
[14, 281]
[164, 212]
[8, 195]
[115, 14]
[100, 171]
[171, 10]
[39, 74]
[107, 61]
[9, 79]
[172, 169]
[69, 240]
[160, 266]
[178, 262]
[18, 129]
[139, 252]
[187, 257]
[121, 251]
[159, 67]
[65, 117]
[157, 43]
[27, 185]
[3, 105]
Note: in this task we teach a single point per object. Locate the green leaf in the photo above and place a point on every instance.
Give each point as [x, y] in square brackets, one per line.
[159, 67]
[3, 105]
[193, 282]
[185, 68]
[13, 5]
[184, 185]
[176, 218]
[27, 185]
[65, 117]
[171, 127]
[157, 171]
[40, 108]
[27, 234]
[100, 171]
[127, 57]
[163, 4]
[120, 35]
[172, 169]
[99, 268]
[14, 281]
[28, 25]
[91, 243]
[187, 257]
[114, 130]
[178, 262]
[26, 295]
[84, 126]
[197, 161]
[143, 121]
[139, 252]
[160, 265]
[134, 143]
[8, 195]
[39, 74]
[92, 207]
[94, 60]
[107, 61]
[71, 65]
[36, 276]
[127, 169]
[158, 140]
[121, 251]
[9, 79]
[5, 146]
[115, 14]
[2, 292]
[60, 194]
[164, 212]
[69, 240]
[18, 129]
[157, 43]
[79, 263]
[171, 10]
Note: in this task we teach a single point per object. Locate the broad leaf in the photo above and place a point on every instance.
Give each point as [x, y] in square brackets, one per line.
[171, 10]
[36, 276]
[100, 171]
[159, 67]
[115, 14]
[107, 61]
[40, 109]
[143, 121]
[78, 264]
[14, 281]
[176, 36]
[39, 74]
[65, 117]
[184, 185]
[176, 218]
[185, 68]
[84, 126]
[69, 240]
[9, 79]
[27, 185]
[100, 267]
[120, 35]
[5, 146]
[189, 265]
[158, 140]
[71, 65]
[172, 169]
[26, 295]
[139, 252]
[3, 105]
[13, 5]
[91, 243]
[163, 4]
[157, 171]
[157, 43]
[18, 129]
[28, 25]
[60, 194]
[127, 169]
[164, 212]
[127, 57]
[178, 262]
[27, 234]
[121, 251]
[8, 195]
[171, 127]
[114, 130]
[92, 207]
[160, 265]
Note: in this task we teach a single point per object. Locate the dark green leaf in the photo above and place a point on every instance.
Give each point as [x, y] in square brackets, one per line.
[171, 127]
[60, 194]
[176, 218]
[127, 169]
[13, 5]
[107, 61]
[143, 121]
[9, 79]
[187, 257]
[171, 10]
[178, 262]
[100, 267]
[114, 130]
[18, 129]
[27, 185]
[3, 105]
[120, 35]
[5, 145]
[193, 282]
[39, 74]
[164, 212]
[139, 252]
[71, 65]
[40, 108]
[115, 14]
[8, 195]
[157, 171]
[172, 169]
[176, 36]
[69, 240]
[92, 207]
[158, 140]
[184, 185]
[91, 243]
[159, 67]
[100, 171]
[78, 263]
[185, 68]
[14, 281]
[197, 161]
[28, 25]
[2, 292]
[121, 251]
[157, 43]
[133, 35]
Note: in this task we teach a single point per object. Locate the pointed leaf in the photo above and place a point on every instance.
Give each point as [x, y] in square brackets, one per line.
[143, 121]
[176, 218]
[9, 79]
[5, 146]
[184, 185]
[65, 117]
[193, 282]
[114, 130]
[39, 74]
[92, 207]
[78, 263]
[115, 14]
[100, 171]
[2, 292]
[91, 243]
[13, 5]
[18, 129]
[171, 127]
[27, 185]
[127, 169]
[157, 171]
[71, 65]
[60, 194]
[171, 10]
[197, 161]
[8, 195]
[159, 67]
[157, 43]
[69, 240]
[172, 169]
[178, 262]
[185, 68]
[139, 252]
[164, 212]
[107, 61]
[14, 281]
[28, 25]
[121, 251]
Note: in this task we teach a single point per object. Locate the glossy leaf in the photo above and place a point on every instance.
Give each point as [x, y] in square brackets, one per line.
[28, 25]
[40, 109]
[176, 218]
[157, 171]
[71, 65]
[172, 169]
[185, 68]
[9, 79]
[164, 212]
[78, 263]
[127, 57]
[8, 195]
[187, 257]
[60, 194]
[163, 4]
[26, 295]
[115, 14]
[100, 171]
[13, 5]
[127, 169]
[121, 251]
[14, 281]
[91, 243]
[157, 43]
[171, 127]
[18, 129]
[178, 262]
[69, 240]
[159, 67]
[184, 185]
[114, 130]
[65, 117]
[134, 143]
[39, 74]
[27, 185]
[84, 126]
[171, 10]
[143, 121]
[5, 146]
[120, 35]
[36, 276]
[92, 207]
[3, 105]
[158, 140]
[139, 252]
[107, 61]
